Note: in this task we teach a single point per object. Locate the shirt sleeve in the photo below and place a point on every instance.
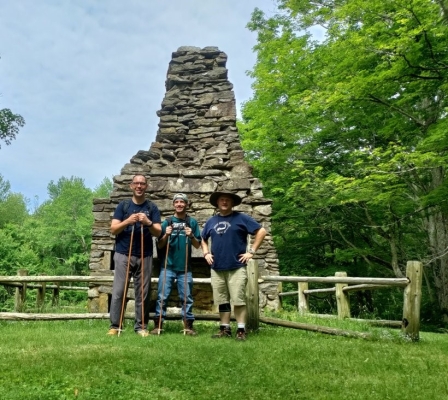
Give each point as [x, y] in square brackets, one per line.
[251, 225]
[155, 215]
[119, 212]
[206, 231]
[196, 231]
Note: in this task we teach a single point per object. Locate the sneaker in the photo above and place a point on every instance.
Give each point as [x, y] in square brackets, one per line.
[240, 335]
[142, 333]
[223, 333]
[112, 332]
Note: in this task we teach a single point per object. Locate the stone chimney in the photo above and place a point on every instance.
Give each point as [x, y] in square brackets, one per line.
[197, 151]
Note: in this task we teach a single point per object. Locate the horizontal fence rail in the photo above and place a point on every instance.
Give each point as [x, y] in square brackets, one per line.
[401, 282]
[411, 306]
[74, 278]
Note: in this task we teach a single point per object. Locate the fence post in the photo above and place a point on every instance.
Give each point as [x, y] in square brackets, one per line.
[253, 309]
[40, 297]
[20, 296]
[342, 299]
[55, 298]
[303, 306]
[412, 300]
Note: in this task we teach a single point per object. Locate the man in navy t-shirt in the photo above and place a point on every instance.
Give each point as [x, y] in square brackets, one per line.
[228, 257]
[133, 217]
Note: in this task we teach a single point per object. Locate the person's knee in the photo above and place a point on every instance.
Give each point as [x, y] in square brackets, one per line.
[224, 308]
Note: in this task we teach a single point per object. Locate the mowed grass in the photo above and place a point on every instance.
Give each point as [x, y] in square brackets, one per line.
[76, 360]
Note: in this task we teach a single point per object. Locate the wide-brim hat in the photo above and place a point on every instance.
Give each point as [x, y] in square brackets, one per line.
[215, 195]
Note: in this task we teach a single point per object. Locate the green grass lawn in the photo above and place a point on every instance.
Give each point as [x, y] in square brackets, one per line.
[76, 360]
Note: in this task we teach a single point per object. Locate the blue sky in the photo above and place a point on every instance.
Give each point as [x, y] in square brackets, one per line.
[88, 77]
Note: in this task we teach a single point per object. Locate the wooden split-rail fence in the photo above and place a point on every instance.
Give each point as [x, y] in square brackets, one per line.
[343, 285]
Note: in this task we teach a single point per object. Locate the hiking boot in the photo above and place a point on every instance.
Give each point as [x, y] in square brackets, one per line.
[240, 335]
[223, 333]
[188, 328]
[156, 330]
[142, 333]
[112, 332]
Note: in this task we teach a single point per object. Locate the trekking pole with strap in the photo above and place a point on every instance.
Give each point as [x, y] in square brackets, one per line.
[163, 285]
[142, 278]
[186, 284]
[126, 281]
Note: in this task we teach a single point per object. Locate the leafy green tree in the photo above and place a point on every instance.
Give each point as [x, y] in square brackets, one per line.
[9, 125]
[13, 206]
[58, 232]
[349, 134]
[15, 251]
[13, 209]
[104, 189]
[5, 188]
[63, 224]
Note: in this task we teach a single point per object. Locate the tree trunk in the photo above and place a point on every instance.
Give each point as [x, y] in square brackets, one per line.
[438, 238]
[437, 228]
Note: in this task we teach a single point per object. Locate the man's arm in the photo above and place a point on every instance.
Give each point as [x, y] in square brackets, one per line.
[154, 227]
[163, 240]
[195, 242]
[205, 251]
[258, 239]
[194, 235]
[117, 226]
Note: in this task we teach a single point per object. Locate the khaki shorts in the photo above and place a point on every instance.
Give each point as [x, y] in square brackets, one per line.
[229, 286]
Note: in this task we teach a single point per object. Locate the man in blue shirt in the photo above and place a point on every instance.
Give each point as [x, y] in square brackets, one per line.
[179, 233]
[131, 218]
[228, 257]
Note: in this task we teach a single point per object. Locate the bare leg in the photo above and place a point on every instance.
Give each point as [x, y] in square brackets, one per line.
[240, 314]
[225, 318]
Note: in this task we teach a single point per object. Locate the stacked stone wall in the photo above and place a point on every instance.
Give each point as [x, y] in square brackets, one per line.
[197, 151]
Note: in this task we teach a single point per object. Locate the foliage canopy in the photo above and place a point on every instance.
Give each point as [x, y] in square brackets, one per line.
[348, 135]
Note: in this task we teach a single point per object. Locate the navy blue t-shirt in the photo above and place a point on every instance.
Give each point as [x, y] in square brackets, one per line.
[229, 238]
[123, 239]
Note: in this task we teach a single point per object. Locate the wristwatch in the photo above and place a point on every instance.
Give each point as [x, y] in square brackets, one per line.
[251, 251]
[150, 224]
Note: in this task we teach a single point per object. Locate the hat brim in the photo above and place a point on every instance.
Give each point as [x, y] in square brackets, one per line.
[215, 196]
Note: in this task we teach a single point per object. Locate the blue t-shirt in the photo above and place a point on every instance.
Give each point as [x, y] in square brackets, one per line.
[229, 238]
[123, 239]
[176, 251]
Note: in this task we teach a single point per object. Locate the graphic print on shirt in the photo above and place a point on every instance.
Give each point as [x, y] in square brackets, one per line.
[222, 227]
[179, 228]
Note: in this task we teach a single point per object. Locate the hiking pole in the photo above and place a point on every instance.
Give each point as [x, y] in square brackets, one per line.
[163, 286]
[142, 278]
[185, 284]
[126, 282]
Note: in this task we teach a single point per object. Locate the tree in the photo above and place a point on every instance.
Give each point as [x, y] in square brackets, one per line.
[349, 134]
[104, 189]
[13, 206]
[5, 188]
[63, 224]
[9, 125]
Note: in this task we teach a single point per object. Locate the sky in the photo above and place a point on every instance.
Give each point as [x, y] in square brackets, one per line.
[89, 75]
